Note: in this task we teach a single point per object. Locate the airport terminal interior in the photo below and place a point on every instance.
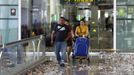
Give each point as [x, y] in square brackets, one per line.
[26, 27]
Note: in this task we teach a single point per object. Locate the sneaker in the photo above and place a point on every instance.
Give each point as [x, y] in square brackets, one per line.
[62, 65]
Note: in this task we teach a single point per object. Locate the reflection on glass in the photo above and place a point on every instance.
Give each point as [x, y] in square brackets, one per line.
[8, 30]
[125, 25]
[130, 2]
[125, 33]
[19, 55]
[121, 12]
[123, 2]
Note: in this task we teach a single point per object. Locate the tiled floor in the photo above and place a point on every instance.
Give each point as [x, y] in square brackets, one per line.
[104, 64]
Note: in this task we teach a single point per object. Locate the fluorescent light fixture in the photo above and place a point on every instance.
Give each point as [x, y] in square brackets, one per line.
[89, 3]
[114, 28]
[106, 14]
[19, 20]
[35, 9]
[64, 10]
[98, 14]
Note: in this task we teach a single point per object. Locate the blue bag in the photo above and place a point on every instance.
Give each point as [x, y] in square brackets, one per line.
[81, 46]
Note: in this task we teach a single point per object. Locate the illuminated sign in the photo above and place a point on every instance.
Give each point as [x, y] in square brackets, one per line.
[79, 0]
[79, 17]
[94, 30]
[93, 23]
[13, 12]
[121, 12]
[130, 10]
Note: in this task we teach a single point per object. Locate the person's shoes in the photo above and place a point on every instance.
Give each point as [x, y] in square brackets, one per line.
[62, 65]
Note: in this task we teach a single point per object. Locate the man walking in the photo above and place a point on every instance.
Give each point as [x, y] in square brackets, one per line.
[61, 32]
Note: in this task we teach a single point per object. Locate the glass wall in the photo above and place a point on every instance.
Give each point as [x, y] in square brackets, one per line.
[38, 15]
[125, 25]
[8, 21]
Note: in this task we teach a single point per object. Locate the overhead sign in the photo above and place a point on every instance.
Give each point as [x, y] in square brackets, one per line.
[79, 0]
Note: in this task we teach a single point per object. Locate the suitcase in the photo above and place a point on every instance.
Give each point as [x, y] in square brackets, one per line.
[81, 46]
[81, 49]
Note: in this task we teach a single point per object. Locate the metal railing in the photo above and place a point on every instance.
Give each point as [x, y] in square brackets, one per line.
[16, 56]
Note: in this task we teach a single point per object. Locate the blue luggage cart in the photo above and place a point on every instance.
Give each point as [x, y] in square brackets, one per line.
[81, 49]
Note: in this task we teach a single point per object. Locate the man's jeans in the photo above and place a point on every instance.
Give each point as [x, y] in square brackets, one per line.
[60, 47]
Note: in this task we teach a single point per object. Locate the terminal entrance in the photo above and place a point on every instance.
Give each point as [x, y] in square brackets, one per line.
[99, 17]
[97, 14]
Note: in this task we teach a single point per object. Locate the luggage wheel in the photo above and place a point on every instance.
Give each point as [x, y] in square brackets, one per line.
[88, 60]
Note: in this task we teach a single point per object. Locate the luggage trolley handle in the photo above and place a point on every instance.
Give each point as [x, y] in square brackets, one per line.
[83, 37]
[80, 37]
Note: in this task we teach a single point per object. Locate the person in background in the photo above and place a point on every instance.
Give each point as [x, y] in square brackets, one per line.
[61, 32]
[82, 30]
[69, 41]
